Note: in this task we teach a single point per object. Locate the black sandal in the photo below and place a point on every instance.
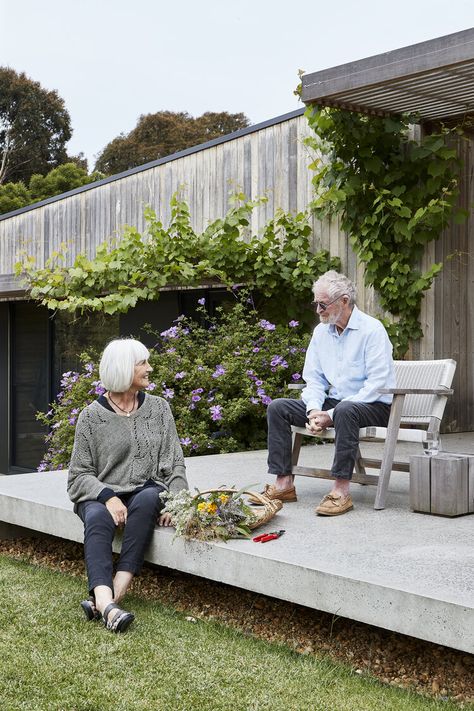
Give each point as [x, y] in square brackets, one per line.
[90, 610]
[120, 621]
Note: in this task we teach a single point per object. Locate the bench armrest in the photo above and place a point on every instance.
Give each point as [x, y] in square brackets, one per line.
[416, 391]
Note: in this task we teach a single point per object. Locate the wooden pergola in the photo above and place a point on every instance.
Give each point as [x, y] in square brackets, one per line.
[434, 79]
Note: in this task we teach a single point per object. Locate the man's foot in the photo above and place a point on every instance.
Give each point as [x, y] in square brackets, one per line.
[271, 492]
[334, 505]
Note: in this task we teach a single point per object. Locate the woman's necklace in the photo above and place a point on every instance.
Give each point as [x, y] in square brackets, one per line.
[126, 412]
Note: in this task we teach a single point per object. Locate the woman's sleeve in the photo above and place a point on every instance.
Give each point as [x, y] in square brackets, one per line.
[82, 483]
[172, 467]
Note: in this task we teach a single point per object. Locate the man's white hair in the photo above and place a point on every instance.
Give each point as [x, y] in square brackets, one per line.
[117, 365]
[335, 284]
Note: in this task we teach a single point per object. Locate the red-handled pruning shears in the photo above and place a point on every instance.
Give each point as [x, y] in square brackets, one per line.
[264, 537]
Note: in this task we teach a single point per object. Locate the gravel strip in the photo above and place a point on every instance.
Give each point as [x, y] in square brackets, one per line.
[392, 658]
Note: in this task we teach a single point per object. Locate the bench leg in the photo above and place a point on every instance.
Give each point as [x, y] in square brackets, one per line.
[295, 452]
[389, 450]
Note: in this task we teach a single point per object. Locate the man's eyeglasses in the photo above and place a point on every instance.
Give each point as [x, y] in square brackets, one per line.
[322, 306]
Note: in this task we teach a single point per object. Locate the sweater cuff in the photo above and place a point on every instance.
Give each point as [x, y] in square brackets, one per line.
[105, 495]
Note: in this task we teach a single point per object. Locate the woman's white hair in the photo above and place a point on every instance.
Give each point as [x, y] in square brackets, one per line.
[117, 365]
[335, 284]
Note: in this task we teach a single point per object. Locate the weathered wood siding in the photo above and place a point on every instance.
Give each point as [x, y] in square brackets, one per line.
[271, 161]
[448, 311]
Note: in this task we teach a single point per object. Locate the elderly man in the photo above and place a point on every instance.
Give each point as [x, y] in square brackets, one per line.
[349, 359]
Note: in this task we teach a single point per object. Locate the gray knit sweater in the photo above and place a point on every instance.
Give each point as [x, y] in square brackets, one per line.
[122, 453]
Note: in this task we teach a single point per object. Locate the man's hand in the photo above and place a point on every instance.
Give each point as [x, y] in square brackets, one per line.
[117, 510]
[164, 520]
[318, 420]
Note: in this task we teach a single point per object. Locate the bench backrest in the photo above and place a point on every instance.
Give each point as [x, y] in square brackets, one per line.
[419, 409]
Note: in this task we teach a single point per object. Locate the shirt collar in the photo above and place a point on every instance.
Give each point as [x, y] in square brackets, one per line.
[353, 322]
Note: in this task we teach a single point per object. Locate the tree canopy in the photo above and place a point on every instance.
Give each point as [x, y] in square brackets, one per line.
[34, 128]
[67, 176]
[161, 134]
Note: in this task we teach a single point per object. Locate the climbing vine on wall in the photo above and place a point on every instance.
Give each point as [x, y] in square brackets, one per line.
[394, 194]
[278, 264]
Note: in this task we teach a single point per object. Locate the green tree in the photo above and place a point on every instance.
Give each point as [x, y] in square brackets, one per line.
[34, 128]
[13, 196]
[59, 180]
[161, 134]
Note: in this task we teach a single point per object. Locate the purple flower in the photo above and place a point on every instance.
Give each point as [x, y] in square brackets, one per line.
[267, 325]
[266, 400]
[218, 371]
[170, 350]
[293, 324]
[293, 350]
[89, 367]
[200, 367]
[198, 391]
[260, 391]
[254, 400]
[259, 382]
[151, 386]
[255, 350]
[249, 372]
[296, 376]
[278, 360]
[99, 389]
[186, 441]
[180, 375]
[41, 467]
[72, 420]
[172, 332]
[168, 393]
[196, 398]
[202, 301]
[216, 412]
[75, 411]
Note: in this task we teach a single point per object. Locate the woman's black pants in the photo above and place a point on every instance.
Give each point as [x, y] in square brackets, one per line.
[143, 508]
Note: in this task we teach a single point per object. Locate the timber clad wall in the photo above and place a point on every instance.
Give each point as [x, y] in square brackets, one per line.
[268, 159]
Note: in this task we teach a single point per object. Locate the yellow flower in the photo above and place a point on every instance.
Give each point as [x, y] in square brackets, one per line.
[202, 506]
[212, 508]
[224, 498]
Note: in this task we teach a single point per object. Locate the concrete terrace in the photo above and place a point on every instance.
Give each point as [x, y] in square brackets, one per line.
[403, 571]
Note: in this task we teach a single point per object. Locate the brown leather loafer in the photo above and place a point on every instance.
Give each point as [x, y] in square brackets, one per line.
[271, 492]
[333, 505]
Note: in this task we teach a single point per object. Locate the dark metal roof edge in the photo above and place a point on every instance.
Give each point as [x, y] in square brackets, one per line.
[160, 161]
[313, 83]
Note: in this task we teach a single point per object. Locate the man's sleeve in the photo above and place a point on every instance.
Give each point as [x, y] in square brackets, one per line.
[378, 367]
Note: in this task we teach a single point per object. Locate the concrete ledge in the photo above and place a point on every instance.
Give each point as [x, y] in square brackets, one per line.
[406, 572]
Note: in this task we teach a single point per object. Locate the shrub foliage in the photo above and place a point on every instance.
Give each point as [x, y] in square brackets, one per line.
[218, 376]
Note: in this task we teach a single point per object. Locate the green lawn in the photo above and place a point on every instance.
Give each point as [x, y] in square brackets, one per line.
[51, 659]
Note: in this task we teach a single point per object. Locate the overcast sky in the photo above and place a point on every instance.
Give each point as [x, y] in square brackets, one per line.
[113, 60]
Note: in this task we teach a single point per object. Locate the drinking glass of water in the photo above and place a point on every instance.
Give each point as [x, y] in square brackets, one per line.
[431, 444]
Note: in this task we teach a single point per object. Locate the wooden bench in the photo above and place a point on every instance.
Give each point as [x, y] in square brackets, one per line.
[418, 405]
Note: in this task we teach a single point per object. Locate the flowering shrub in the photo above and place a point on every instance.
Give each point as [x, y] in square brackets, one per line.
[217, 515]
[218, 376]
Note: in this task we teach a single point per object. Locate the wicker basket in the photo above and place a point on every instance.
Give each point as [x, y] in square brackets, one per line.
[264, 512]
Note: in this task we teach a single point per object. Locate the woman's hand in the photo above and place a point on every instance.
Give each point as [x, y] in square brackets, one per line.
[117, 510]
[164, 520]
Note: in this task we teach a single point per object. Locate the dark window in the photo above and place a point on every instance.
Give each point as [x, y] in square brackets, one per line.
[31, 382]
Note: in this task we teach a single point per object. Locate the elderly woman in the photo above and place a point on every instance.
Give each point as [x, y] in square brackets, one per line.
[126, 452]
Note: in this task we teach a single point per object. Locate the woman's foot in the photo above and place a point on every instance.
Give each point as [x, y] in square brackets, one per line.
[90, 610]
[116, 619]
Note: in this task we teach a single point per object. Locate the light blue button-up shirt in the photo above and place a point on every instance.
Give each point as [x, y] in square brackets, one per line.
[354, 365]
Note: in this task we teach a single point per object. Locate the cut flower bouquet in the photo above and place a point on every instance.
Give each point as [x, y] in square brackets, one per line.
[218, 514]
